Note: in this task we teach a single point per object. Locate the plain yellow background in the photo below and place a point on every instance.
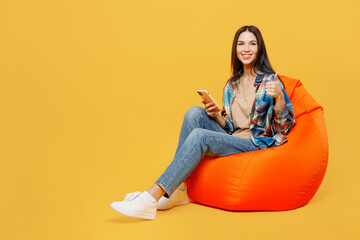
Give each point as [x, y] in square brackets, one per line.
[93, 93]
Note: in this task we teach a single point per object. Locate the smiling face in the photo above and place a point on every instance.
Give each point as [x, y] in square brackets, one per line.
[247, 48]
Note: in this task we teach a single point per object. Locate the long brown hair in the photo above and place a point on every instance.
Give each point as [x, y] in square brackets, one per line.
[261, 62]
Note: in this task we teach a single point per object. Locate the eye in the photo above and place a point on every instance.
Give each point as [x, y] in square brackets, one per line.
[240, 44]
[253, 43]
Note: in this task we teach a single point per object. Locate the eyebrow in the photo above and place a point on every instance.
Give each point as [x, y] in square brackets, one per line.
[249, 41]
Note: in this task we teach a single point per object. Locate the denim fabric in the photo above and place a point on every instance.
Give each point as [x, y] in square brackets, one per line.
[200, 135]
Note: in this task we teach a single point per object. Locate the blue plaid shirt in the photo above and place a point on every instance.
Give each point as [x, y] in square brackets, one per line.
[268, 127]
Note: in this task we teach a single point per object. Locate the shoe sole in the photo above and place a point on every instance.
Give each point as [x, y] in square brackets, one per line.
[145, 215]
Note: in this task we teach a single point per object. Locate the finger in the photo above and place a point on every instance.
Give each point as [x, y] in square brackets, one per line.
[209, 104]
[211, 109]
[276, 77]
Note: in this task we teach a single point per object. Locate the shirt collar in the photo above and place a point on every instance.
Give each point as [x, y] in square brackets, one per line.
[260, 75]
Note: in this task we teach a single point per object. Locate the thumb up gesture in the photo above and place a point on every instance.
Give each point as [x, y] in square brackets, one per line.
[273, 88]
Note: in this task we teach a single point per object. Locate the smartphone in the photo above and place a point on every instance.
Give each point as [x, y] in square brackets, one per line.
[206, 95]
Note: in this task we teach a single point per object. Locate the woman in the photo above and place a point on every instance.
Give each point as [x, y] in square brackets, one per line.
[257, 114]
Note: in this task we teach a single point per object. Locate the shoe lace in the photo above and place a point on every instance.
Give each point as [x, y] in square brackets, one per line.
[131, 196]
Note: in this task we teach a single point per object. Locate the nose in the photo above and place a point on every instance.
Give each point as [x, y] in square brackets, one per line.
[246, 48]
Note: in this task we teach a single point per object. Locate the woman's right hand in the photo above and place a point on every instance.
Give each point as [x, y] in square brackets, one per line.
[210, 109]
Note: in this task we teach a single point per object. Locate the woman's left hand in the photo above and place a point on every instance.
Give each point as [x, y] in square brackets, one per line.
[273, 88]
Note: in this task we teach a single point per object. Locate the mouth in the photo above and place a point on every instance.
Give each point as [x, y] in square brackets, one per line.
[246, 56]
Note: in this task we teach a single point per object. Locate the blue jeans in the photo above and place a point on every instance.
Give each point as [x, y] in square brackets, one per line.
[200, 135]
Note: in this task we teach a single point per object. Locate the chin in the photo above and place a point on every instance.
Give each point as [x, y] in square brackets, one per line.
[248, 63]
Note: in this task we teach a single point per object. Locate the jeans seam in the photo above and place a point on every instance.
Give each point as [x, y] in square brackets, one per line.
[161, 184]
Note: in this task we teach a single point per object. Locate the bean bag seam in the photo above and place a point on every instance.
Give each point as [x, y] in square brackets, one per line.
[297, 83]
[306, 111]
[241, 179]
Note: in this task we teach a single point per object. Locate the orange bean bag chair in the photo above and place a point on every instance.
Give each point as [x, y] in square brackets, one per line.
[278, 178]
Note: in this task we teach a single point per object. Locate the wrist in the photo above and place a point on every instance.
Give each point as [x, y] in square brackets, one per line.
[279, 102]
[279, 97]
[219, 119]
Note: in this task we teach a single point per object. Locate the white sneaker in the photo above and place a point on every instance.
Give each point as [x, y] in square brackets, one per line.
[178, 198]
[137, 204]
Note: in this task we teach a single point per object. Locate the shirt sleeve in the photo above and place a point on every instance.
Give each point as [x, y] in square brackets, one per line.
[228, 124]
[284, 119]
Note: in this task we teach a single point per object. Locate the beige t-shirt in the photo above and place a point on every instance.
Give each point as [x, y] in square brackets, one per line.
[241, 108]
